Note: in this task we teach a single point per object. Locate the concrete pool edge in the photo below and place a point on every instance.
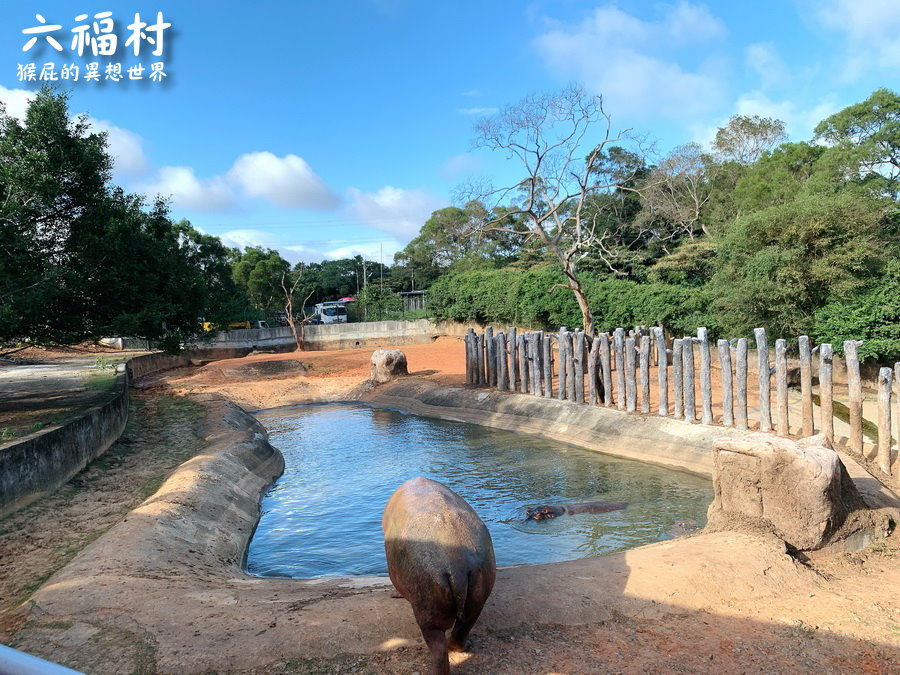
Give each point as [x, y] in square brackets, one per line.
[657, 440]
[168, 577]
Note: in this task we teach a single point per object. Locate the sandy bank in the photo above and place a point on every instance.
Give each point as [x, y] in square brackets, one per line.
[163, 591]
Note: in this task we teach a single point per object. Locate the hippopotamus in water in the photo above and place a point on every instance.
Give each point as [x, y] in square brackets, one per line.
[441, 559]
[545, 512]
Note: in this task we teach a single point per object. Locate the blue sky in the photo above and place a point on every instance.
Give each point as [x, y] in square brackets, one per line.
[329, 129]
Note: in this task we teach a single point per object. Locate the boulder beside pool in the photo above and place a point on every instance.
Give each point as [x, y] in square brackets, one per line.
[798, 490]
[388, 364]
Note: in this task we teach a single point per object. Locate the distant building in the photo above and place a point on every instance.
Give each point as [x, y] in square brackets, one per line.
[413, 300]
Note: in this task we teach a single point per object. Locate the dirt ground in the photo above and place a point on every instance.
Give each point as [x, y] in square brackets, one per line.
[837, 615]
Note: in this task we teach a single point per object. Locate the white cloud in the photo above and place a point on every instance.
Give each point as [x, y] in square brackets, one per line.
[374, 251]
[16, 101]
[871, 29]
[478, 111]
[286, 181]
[472, 92]
[126, 148]
[394, 210]
[181, 184]
[763, 59]
[628, 60]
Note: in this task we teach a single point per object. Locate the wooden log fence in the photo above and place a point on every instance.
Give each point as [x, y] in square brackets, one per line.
[618, 369]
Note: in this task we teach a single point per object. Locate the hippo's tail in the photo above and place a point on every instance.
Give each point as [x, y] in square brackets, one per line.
[459, 587]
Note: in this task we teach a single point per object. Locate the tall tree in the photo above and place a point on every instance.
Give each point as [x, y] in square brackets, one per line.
[868, 135]
[259, 272]
[746, 137]
[53, 172]
[677, 190]
[547, 134]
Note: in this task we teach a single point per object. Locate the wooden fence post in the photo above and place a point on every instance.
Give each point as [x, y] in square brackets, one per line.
[606, 369]
[479, 355]
[705, 376]
[678, 377]
[687, 366]
[570, 366]
[619, 337]
[741, 418]
[782, 422]
[645, 373]
[724, 350]
[502, 363]
[490, 358]
[809, 427]
[537, 349]
[895, 463]
[547, 361]
[662, 364]
[523, 363]
[854, 386]
[561, 382]
[885, 383]
[529, 359]
[765, 392]
[826, 391]
[513, 363]
[470, 371]
[592, 371]
[578, 358]
[630, 383]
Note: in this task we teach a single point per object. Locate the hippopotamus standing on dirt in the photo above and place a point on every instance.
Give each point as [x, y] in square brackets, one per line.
[440, 557]
[546, 512]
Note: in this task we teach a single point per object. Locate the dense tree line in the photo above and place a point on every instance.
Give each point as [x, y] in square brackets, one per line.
[796, 237]
[799, 237]
[79, 258]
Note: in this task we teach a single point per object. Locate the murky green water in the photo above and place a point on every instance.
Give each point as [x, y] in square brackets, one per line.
[344, 460]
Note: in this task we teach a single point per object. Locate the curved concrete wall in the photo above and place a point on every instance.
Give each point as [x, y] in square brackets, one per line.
[658, 440]
[43, 462]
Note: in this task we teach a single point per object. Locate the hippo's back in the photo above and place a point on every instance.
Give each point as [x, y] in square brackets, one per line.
[435, 543]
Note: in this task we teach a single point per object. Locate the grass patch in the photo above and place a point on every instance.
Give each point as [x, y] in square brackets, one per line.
[101, 380]
[842, 412]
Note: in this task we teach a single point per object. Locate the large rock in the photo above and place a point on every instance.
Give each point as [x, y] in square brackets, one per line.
[387, 364]
[798, 490]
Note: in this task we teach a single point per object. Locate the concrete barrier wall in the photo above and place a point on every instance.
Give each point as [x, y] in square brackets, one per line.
[45, 461]
[329, 336]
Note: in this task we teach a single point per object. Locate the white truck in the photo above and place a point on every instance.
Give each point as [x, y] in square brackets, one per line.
[331, 312]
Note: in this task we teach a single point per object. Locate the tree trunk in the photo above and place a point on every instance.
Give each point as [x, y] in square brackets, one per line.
[587, 318]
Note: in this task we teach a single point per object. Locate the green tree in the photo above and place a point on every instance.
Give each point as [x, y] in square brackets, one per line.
[777, 266]
[872, 316]
[259, 272]
[867, 136]
[52, 172]
[746, 137]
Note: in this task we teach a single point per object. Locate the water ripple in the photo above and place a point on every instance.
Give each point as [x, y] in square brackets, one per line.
[343, 461]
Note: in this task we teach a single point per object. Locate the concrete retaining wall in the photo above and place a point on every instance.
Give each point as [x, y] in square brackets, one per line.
[45, 461]
[329, 336]
[657, 440]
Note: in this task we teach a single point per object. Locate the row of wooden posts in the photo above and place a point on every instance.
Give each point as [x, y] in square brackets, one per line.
[616, 367]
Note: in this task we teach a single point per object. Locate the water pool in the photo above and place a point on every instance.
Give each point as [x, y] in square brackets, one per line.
[344, 460]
